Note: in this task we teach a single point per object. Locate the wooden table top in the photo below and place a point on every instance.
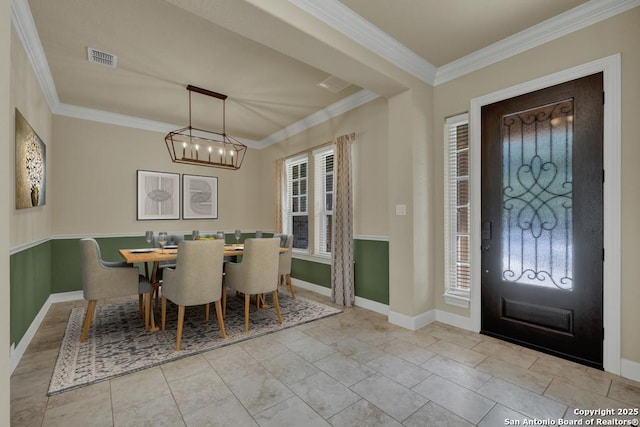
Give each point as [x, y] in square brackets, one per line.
[142, 255]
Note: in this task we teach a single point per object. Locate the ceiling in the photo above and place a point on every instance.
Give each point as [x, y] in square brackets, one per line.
[247, 50]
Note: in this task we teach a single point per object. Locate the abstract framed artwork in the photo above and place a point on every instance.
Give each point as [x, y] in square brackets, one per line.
[199, 197]
[158, 195]
[31, 164]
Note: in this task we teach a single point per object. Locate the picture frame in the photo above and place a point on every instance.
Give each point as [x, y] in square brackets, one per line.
[199, 197]
[31, 165]
[158, 195]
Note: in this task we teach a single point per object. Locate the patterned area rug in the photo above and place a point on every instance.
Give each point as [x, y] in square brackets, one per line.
[118, 344]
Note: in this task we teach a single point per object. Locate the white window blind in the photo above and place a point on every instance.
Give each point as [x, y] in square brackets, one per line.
[296, 211]
[457, 215]
[323, 193]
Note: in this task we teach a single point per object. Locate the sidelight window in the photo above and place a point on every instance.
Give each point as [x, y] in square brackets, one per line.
[457, 212]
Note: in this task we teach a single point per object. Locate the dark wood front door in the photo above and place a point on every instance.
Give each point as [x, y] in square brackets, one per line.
[542, 226]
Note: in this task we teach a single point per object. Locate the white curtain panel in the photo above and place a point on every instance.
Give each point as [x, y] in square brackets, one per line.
[278, 197]
[342, 281]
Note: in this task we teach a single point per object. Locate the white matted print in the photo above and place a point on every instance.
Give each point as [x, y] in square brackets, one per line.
[199, 197]
[158, 195]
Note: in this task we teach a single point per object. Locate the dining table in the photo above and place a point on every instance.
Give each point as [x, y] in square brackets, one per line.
[154, 256]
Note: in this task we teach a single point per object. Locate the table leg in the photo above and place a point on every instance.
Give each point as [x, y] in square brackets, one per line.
[150, 322]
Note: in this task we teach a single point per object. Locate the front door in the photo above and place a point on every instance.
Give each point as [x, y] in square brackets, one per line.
[542, 225]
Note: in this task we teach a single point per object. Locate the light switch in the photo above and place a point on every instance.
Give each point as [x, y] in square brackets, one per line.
[401, 209]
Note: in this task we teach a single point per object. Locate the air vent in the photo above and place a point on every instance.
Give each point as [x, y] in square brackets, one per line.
[334, 84]
[102, 58]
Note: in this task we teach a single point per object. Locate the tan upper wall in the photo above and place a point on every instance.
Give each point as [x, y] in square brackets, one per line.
[619, 34]
[95, 182]
[32, 224]
[369, 122]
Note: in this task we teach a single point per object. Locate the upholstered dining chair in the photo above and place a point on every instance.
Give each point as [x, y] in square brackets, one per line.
[256, 274]
[102, 279]
[284, 266]
[172, 240]
[196, 280]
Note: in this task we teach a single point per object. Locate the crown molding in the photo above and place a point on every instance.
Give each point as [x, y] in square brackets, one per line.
[568, 22]
[346, 21]
[343, 19]
[358, 29]
[22, 21]
[28, 34]
[85, 113]
[328, 113]
[107, 117]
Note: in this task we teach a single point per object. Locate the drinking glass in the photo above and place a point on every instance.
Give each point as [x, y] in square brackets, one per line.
[195, 234]
[220, 235]
[238, 234]
[162, 239]
[259, 234]
[148, 236]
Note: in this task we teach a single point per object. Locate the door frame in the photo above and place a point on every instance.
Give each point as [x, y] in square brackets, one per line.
[611, 68]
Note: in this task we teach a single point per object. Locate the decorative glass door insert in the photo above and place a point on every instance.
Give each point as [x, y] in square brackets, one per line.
[537, 226]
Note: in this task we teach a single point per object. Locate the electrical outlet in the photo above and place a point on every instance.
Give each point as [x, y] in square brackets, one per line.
[401, 209]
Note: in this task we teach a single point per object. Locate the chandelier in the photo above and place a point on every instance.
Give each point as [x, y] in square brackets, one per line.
[204, 147]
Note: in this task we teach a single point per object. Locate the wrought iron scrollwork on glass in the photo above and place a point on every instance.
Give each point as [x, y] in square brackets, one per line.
[537, 196]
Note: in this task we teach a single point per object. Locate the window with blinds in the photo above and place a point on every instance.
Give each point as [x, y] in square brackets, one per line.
[323, 190]
[296, 213]
[457, 214]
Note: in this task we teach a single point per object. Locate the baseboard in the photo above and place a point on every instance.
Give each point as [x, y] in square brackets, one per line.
[630, 369]
[412, 322]
[456, 320]
[18, 351]
[416, 322]
[66, 296]
[360, 302]
[372, 305]
[311, 287]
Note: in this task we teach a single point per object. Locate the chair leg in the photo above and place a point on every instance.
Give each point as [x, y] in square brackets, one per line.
[223, 333]
[164, 312]
[224, 300]
[180, 325]
[140, 306]
[206, 312]
[247, 303]
[88, 318]
[290, 285]
[277, 304]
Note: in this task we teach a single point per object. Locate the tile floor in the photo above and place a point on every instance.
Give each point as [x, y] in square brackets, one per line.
[353, 369]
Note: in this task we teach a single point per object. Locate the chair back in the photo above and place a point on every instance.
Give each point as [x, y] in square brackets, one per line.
[286, 241]
[260, 261]
[100, 280]
[283, 238]
[172, 240]
[197, 278]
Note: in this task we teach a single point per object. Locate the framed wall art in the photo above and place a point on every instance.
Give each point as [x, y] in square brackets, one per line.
[158, 195]
[31, 165]
[199, 197]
